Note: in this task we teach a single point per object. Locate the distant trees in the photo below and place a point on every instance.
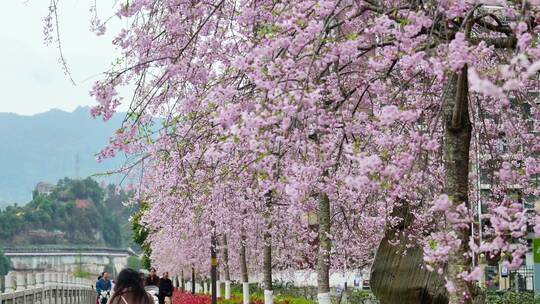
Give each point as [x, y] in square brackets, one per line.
[140, 235]
[135, 263]
[111, 231]
[76, 212]
[5, 264]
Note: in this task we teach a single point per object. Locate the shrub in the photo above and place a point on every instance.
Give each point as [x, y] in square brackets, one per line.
[361, 297]
[511, 297]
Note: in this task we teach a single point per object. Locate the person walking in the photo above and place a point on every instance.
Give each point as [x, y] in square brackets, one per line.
[129, 289]
[97, 297]
[165, 289]
[152, 279]
[103, 288]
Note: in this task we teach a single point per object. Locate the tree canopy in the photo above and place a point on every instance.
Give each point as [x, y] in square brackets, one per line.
[5, 264]
[297, 130]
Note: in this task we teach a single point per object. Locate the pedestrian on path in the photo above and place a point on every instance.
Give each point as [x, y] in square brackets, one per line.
[165, 289]
[103, 288]
[97, 297]
[152, 279]
[129, 289]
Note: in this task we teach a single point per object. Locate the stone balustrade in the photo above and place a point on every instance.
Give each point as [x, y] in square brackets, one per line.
[46, 288]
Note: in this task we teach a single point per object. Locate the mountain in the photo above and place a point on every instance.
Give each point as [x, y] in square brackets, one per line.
[45, 147]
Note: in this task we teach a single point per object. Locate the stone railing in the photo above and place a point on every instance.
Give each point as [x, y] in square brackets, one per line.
[46, 288]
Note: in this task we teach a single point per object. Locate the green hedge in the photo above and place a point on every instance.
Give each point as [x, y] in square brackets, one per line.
[361, 297]
[498, 297]
[294, 295]
[512, 297]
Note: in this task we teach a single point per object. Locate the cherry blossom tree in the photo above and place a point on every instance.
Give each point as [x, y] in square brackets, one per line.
[373, 115]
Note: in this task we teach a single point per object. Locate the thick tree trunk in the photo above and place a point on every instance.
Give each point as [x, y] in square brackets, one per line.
[214, 266]
[243, 267]
[226, 268]
[218, 283]
[243, 258]
[402, 278]
[193, 280]
[183, 286]
[325, 245]
[456, 149]
[218, 274]
[267, 252]
[267, 268]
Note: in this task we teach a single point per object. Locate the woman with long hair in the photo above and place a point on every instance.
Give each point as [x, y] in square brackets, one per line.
[129, 289]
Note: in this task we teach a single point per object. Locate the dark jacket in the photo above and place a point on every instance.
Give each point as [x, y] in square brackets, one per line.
[152, 281]
[165, 288]
[103, 285]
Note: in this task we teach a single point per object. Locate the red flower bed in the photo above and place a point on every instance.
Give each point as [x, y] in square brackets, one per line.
[180, 297]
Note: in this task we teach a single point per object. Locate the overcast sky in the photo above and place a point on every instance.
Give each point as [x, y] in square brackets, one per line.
[31, 79]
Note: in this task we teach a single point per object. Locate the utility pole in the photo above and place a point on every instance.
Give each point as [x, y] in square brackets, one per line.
[214, 263]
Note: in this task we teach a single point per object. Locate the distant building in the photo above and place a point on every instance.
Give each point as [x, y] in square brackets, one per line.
[43, 188]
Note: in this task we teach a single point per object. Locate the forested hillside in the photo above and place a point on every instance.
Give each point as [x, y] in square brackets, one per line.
[76, 212]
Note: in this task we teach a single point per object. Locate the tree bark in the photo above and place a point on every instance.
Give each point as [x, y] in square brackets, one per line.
[325, 245]
[456, 149]
[193, 280]
[226, 259]
[183, 286]
[243, 258]
[267, 265]
[402, 278]
[243, 267]
[214, 266]
[226, 268]
[218, 274]
[267, 252]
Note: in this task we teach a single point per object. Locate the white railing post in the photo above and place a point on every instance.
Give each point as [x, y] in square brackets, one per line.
[38, 284]
[30, 280]
[79, 289]
[9, 283]
[21, 281]
[53, 287]
[83, 289]
[47, 295]
[47, 279]
[66, 287]
[59, 288]
[39, 279]
[73, 289]
[71, 279]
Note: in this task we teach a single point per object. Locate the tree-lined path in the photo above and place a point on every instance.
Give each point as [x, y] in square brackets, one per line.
[329, 136]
